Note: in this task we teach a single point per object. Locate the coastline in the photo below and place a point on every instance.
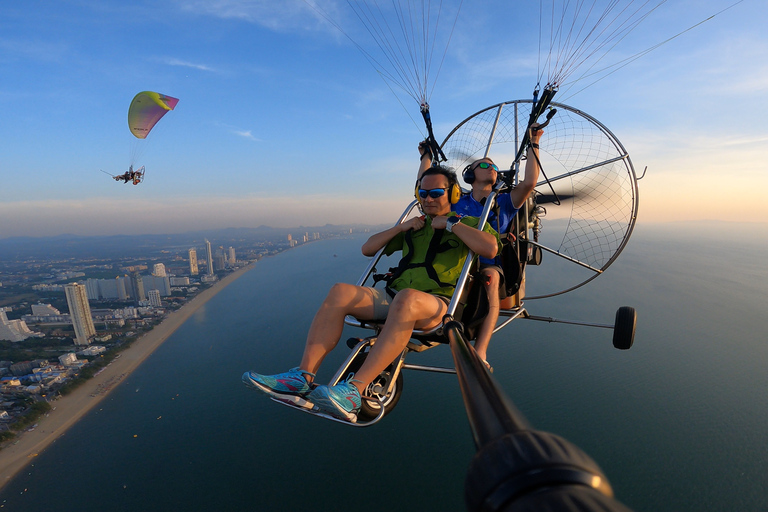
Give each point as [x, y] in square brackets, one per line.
[69, 409]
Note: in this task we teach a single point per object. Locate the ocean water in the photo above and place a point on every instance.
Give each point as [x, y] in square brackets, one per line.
[677, 423]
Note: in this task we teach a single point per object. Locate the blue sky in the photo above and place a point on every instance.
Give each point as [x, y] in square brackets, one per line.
[282, 121]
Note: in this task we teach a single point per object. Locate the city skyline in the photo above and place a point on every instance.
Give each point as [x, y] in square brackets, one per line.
[281, 121]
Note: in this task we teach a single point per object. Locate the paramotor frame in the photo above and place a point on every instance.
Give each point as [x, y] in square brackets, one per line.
[589, 170]
[130, 175]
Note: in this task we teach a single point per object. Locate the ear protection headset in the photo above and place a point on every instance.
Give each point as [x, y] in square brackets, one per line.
[469, 175]
[454, 190]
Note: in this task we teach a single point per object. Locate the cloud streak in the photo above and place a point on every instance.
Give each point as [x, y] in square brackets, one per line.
[280, 16]
[182, 63]
[246, 134]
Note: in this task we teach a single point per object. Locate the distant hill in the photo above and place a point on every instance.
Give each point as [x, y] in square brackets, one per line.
[76, 246]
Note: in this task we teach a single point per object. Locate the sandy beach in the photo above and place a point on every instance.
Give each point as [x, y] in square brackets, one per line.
[68, 409]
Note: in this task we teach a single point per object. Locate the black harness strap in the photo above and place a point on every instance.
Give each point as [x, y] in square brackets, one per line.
[435, 246]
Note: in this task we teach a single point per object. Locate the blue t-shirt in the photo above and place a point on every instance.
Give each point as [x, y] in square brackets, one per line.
[467, 205]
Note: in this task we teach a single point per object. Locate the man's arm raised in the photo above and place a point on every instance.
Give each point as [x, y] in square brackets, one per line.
[425, 161]
[523, 189]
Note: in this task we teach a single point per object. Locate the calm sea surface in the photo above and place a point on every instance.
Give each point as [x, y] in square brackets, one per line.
[678, 423]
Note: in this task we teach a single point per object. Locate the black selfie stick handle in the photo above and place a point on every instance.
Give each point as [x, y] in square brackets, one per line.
[517, 468]
[536, 471]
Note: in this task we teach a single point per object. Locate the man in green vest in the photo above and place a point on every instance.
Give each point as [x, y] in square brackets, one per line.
[435, 248]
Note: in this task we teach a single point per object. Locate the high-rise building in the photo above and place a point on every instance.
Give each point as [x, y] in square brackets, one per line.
[138, 287]
[154, 298]
[14, 330]
[193, 262]
[231, 260]
[40, 309]
[219, 261]
[159, 270]
[122, 293]
[126, 292]
[108, 288]
[92, 289]
[162, 284]
[80, 312]
[210, 257]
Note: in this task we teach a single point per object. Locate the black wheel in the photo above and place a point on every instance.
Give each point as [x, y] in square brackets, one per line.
[534, 258]
[374, 395]
[624, 328]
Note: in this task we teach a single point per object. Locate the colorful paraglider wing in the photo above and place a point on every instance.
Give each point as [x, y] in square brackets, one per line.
[146, 109]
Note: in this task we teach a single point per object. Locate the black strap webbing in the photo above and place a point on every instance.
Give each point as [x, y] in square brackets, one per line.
[435, 246]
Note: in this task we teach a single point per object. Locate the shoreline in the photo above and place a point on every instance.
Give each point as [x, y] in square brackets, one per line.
[69, 409]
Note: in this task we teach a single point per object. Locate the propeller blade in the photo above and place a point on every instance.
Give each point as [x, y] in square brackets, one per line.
[549, 198]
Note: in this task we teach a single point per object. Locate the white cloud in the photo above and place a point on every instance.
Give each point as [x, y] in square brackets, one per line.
[32, 50]
[280, 16]
[246, 134]
[182, 63]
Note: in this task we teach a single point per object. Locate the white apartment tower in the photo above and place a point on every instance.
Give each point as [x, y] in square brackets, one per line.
[80, 312]
[192, 262]
[231, 259]
[154, 298]
[14, 330]
[44, 310]
[210, 257]
[137, 285]
[159, 270]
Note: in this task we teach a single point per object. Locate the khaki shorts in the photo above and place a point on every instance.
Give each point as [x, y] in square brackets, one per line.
[382, 301]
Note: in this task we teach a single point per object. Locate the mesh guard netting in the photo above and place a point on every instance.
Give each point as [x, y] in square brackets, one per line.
[587, 166]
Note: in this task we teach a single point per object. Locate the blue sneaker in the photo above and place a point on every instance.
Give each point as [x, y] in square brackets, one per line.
[340, 401]
[286, 385]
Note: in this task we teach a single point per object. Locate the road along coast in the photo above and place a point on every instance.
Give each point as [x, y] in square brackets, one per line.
[70, 408]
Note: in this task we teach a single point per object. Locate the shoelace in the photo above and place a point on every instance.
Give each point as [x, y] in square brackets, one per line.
[302, 373]
[349, 380]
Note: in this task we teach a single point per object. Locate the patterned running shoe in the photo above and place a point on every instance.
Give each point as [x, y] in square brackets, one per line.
[340, 401]
[283, 385]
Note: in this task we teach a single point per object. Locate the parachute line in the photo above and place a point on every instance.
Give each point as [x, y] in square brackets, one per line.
[589, 33]
[616, 66]
[406, 35]
[582, 33]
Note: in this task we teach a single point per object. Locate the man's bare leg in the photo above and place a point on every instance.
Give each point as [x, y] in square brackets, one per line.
[491, 280]
[410, 309]
[324, 333]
